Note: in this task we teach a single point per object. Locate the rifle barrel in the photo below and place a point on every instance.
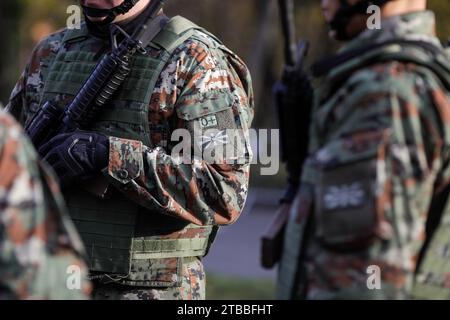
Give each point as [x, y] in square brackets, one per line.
[288, 27]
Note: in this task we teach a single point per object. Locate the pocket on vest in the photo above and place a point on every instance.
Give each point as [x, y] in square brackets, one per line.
[350, 191]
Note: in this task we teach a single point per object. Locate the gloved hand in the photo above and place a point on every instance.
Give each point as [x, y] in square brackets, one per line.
[76, 156]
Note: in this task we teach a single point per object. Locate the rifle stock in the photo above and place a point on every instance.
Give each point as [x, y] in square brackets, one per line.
[272, 240]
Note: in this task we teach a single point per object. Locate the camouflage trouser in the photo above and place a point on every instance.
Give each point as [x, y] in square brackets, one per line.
[191, 288]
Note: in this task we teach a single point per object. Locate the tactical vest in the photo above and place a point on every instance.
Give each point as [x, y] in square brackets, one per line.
[432, 279]
[132, 244]
[338, 70]
[433, 273]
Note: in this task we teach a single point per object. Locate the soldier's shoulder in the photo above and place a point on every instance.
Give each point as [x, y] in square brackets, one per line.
[198, 52]
[19, 161]
[50, 43]
[6, 120]
[408, 83]
[13, 136]
[57, 35]
[198, 36]
[8, 127]
[207, 38]
[391, 76]
[181, 25]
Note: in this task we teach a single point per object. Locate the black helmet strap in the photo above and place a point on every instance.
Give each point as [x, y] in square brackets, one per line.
[110, 14]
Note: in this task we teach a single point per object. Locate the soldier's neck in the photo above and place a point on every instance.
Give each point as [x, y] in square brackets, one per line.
[133, 13]
[396, 8]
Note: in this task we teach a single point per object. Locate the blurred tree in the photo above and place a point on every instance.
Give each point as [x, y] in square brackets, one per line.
[250, 28]
[39, 19]
[10, 18]
[442, 10]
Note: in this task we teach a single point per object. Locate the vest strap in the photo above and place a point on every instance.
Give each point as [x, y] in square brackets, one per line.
[73, 35]
[435, 60]
[324, 66]
[177, 30]
[168, 248]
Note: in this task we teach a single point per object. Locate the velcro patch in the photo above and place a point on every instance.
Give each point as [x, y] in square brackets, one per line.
[208, 121]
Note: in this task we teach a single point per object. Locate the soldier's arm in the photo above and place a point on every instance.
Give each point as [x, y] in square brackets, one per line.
[39, 250]
[16, 101]
[376, 174]
[23, 101]
[197, 88]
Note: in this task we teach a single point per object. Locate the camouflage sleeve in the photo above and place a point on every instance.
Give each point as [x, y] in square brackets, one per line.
[16, 101]
[40, 253]
[23, 100]
[208, 96]
[376, 162]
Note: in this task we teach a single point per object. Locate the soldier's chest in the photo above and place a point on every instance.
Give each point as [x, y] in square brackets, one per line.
[131, 112]
[328, 116]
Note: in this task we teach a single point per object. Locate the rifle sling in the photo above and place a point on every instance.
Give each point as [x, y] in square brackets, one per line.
[324, 66]
[153, 29]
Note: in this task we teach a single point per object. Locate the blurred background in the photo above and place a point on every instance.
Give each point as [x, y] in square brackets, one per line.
[251, 29]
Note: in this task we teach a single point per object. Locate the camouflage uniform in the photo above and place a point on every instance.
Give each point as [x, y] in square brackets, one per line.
[192, 287]
[38, 242]
[378, 159]
[201, 85]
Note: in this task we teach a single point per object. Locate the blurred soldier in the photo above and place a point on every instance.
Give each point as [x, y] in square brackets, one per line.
[40, 252]
[157, 217]
[375, 183]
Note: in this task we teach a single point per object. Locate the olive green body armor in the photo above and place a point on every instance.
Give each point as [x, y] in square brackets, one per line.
[435, 264]
[129, 243]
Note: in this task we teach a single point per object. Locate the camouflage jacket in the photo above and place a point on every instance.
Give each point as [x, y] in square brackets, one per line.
[40, 252]
[199, 192]
[377, 160]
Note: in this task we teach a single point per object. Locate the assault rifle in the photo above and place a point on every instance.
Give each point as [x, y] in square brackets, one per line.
[293, 97]
[104, 81]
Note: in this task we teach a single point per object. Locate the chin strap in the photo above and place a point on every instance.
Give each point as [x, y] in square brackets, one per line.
[347, 11]
[110, 14]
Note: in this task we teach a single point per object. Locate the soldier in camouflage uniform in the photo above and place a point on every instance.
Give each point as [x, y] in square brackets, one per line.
[39, 247]
[156, 216]
[375, 183]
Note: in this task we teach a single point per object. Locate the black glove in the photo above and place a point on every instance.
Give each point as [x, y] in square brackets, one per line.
[76, 156]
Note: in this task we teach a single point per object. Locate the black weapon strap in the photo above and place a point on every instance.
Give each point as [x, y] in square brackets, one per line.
[158, 23]
[151, 31]
[440, 66]
[324, 66]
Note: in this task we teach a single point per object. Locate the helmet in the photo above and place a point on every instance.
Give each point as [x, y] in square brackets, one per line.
[347, 11]
[110, 14]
